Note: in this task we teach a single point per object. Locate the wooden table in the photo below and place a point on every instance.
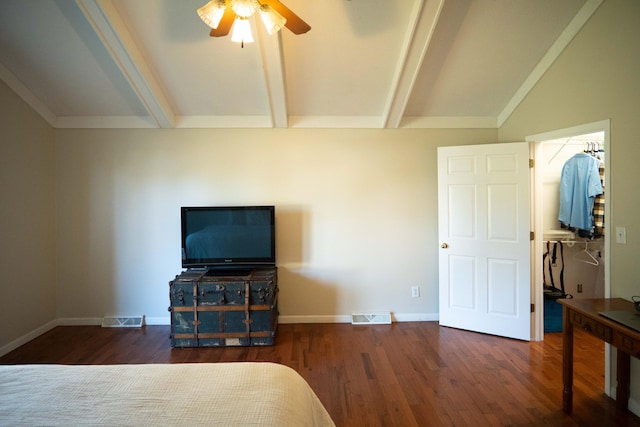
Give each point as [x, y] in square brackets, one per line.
[583, 314]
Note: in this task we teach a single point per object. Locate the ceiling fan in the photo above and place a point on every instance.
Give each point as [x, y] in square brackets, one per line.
[221, 15]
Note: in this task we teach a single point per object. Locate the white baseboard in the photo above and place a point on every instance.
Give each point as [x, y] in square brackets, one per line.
[634, 406]
[97, 321]
[28, 337]
[288, 319]
[314, 319]
[416, 317]
[80, 321]
[346, 318]
[610, 355]
[284, 319]
[162, 321]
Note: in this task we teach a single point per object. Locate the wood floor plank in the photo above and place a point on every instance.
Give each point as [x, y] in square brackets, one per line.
[405, 374]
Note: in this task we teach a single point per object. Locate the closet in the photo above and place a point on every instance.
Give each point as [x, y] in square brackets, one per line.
[573, 257]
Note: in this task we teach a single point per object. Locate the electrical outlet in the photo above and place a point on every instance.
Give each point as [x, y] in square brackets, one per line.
[579, 288]
[415, 291]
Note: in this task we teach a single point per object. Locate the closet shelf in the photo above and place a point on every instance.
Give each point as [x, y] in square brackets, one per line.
[558, 235]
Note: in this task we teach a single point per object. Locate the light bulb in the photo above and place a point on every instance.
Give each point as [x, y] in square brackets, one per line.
[242, 31]
[243, 8]
[271, 19]
[211, 13]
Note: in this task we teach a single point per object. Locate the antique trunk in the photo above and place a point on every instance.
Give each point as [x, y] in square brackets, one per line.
[224, 310]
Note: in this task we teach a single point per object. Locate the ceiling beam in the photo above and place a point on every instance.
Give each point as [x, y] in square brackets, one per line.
[27, 96]
[574, 26]
[110, 28]
[273, 67]
[417, 39]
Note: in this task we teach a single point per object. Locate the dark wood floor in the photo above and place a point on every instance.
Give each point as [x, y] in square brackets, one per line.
[405, 374]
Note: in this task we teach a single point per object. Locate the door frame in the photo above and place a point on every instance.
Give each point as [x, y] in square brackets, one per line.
[536, 205]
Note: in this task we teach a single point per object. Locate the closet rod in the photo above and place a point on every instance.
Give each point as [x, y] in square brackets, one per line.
[574, 142]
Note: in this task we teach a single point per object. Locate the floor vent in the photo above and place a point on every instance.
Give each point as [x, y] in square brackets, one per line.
[122, 321]
[382, 318]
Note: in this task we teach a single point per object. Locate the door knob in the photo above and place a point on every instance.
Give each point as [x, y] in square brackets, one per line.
[444, 246]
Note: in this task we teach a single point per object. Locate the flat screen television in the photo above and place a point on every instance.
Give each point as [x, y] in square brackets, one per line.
[224, 238]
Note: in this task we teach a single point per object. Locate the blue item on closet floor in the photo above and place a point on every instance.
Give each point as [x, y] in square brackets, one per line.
[552, 316]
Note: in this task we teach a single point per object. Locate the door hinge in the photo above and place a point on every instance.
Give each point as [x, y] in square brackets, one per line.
[532, 235]
[532, 163]
[533, 308]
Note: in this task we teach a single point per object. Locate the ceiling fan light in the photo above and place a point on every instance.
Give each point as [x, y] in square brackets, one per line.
[271, 19]
[211, 13]
[243, 8]
[241, 31]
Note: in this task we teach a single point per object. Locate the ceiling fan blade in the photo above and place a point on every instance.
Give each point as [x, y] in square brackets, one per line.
[225, 23]
[294, 23]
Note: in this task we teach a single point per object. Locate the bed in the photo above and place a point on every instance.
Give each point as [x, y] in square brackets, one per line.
[214, 394]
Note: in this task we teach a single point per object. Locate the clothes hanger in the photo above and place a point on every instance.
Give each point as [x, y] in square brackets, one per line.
[592, 260]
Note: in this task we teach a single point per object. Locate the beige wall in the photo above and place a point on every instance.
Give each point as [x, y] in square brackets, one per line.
[596, 78]
[27, 226]
[355, 213]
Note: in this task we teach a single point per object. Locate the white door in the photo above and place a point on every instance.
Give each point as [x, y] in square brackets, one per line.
[484, 229]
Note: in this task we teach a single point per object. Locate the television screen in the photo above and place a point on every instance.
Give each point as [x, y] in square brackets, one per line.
[217, 237]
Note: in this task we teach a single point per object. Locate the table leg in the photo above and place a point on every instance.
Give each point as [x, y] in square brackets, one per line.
[567, 361]
[623, 372]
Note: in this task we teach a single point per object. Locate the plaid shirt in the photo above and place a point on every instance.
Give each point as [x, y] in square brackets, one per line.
[598, 206]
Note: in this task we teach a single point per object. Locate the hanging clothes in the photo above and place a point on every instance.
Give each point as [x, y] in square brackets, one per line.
[579, 185]
[598, 206]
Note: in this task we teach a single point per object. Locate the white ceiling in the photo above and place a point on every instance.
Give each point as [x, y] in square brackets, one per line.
[364, 64]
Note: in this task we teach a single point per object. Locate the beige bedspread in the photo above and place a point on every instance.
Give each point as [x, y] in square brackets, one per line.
[214, 394]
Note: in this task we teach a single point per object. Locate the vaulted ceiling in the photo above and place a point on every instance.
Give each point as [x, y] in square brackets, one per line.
[364, 64]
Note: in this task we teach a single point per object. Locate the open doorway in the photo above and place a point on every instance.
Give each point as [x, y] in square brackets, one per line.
[573, 243]
[586, 258]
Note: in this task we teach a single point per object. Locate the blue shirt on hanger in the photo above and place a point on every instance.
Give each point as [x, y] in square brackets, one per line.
[579, 185]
